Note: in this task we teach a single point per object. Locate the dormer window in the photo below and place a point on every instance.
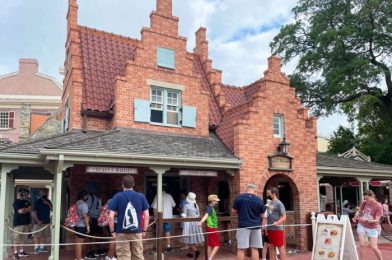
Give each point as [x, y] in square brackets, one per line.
[166, 58]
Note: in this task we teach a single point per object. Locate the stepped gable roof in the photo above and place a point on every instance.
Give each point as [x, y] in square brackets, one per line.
[104, 56]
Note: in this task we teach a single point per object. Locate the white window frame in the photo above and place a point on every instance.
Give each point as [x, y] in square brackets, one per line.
[280, 125]
[165, 105]
[4, 121]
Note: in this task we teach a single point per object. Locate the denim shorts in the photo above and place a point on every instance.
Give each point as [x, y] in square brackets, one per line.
[369, 232]
[167, 227]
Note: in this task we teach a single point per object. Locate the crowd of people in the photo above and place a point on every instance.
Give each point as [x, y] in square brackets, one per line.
[125, 217]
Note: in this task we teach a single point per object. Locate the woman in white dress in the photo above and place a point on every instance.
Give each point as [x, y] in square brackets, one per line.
[192, 233]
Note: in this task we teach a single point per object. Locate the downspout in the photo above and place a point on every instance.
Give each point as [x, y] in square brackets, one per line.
[84, 122]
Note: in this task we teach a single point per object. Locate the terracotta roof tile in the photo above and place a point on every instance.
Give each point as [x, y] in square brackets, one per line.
[236, 96]
[103, 58]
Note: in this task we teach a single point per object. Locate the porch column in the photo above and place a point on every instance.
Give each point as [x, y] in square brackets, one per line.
[341, 198]
[335, 198]
[318, 193]
[6, 200]
[362, 182]
[58, 183]
[159, 171]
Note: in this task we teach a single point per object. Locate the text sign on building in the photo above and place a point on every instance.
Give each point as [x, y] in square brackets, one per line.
[110, 170]
[280, 162]
[198, 173]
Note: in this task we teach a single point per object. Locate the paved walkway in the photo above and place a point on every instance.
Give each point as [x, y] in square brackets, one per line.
[225, 254]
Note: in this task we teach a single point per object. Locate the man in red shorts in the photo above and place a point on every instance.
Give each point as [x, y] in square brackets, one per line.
[275, 229]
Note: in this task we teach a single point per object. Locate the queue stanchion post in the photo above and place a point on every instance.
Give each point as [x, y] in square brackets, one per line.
[159, 234]
[205, 246]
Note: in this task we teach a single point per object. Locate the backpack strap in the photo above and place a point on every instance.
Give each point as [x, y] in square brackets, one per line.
[125, 197]
[92, 202]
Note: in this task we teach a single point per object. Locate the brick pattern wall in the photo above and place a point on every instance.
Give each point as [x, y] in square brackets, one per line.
[253, 140]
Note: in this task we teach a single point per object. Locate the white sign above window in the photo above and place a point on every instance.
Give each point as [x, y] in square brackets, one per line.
[110, 170]
[200, 173]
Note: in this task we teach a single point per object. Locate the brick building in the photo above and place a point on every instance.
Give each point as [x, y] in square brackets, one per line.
[151, 108]
[27, 99]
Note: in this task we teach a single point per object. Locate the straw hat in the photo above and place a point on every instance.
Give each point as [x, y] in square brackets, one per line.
[213, 197]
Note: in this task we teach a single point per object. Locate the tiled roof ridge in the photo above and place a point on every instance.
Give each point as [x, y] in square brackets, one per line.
[352, 159]
[242, 87]
[36, 140]
[208, 83]
[105, 33]
[81, 139]
[231, 86]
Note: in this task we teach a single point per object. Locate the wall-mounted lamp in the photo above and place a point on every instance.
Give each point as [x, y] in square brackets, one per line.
[284, 146]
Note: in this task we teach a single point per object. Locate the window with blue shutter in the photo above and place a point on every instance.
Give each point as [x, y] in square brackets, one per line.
[142, 110]
[165, 106]
[189, 116]
[166, 58]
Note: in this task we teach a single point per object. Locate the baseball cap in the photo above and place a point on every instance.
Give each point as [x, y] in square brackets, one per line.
[213, 197]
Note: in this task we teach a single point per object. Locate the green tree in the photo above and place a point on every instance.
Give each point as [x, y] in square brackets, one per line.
[344, 50]
[374, 129]
[342, 140]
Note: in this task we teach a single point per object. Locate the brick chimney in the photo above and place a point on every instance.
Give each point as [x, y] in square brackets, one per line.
[28, 66]
[165, 7]
[274, 64]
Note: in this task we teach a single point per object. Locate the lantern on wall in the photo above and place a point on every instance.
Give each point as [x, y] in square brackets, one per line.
[284, 147]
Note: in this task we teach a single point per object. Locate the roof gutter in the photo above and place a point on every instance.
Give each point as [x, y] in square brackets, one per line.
[20, 159]
[352, 172]
[94, 157]
[105, 114]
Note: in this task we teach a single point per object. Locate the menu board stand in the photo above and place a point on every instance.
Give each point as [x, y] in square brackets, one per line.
[334, 239]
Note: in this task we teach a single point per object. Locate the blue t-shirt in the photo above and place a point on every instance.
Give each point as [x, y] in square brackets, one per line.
[43, 211]
[249, 208]
[119, 204]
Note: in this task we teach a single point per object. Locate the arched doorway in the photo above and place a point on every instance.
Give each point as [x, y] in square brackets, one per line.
[289, 195]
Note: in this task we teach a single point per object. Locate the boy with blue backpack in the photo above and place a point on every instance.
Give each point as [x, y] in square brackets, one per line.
[131, 208]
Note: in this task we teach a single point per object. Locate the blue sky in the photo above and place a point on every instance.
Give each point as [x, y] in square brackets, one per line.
[238, 31]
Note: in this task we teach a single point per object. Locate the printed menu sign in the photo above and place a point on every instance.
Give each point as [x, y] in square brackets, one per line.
[333, 239]
[328, 241]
